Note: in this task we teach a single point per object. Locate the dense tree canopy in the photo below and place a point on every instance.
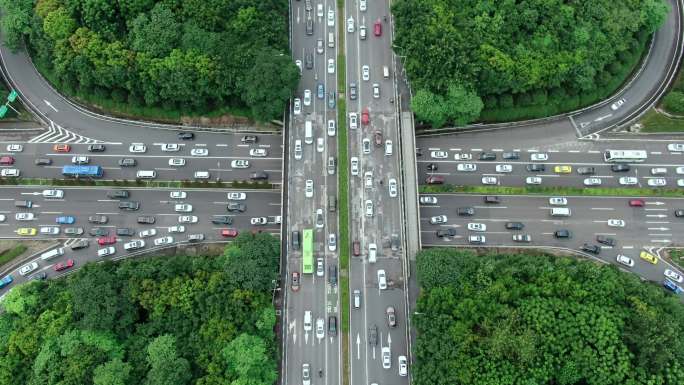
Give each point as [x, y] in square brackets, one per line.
[519, 320]
[161, 321]
[515, 48]
[179, 54]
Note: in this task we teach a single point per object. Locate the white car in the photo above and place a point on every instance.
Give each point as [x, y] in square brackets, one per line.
[616, 223]
[183, 208]
[307, 97]
[163, 241]
[386, 357]
[320, 270]
[177, 162]
[49, 230]
[237, 196]
[657, 182]
[376, 91]
[10, 172]
[673, 275]
[382, 280]
[439, 154]
[239, 163]
[466, 167]
[320, 145]
[403, 366]
[558, 201]
[332, 242]
[368, 179]
[3, 218]
[369, 208]
[331, 66]
[319, 10]
[320, 328]
[170, 147]
[353, 120]
[350, 25]
[477, 239]
[298, 63]
[628, 180]
[354, 165]
[392, 185]
[137, 148]
[331, 17]
[298, 149]
[366, 145]
[438, 220]
[675, 147]
[428, 200]
[539, 156]
[147, 233]
[24, 216]
[658, 171]
[365, 73]
[625, 260]
[504, 168]
[617, 104]
[462, 156]
[134, 245]
[199, 152]
[178, 195]
[309, 189]
[592, 181]
[15, 148]
[680, 182]
[106, 251]
[362, 5]
[533, 180]
[679, 170]
[477, 227]
[28, 268]
[331, 127]
[201, 175]
[489, 180]
[80, 159]
[258, 152]
[258, 221]
[176, 229]
[187, 219]
[297, 106]
[53, 194]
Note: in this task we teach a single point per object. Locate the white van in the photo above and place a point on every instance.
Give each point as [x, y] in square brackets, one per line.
[388, 147]
[331, 39]
[58, 252]
[202, 174]
[372, 252]
[560, 212]
[308, 132]
[385, 72]
[357, 299]
[146, 174]
[307, 321]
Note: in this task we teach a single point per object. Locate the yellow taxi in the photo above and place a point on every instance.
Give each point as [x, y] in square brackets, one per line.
[646, 256]
[27, 231]
[565, 169]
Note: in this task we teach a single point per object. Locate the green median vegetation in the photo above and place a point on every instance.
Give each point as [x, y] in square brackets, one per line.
[135, 183]
[552, 190]
[538, 319]
[9, 255]
[156, 321]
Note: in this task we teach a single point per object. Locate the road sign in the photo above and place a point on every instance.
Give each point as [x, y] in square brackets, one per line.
[3, 111]
[12, 96]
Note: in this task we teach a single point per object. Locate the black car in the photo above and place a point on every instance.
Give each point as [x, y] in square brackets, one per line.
[259, 175]
[295, 240]
[562, 234]
[332, 326]
[487, 156]
[332, 275]
[394, 242]
[73, 231]
[465, 211]
[451, 232]
[186, 136]
[125, 232]
[586, 170]
[352, 91]
[536, 167]
[594, 249]
[511, 155]
[80, 244]
[43, 162]
[373, 335]
[146, 220]
[679, 213]
[118, 194]
[96, 148]
[432, 167]
[251, 139]
[620, 167]
[492, 199]
[222, 220]
[42, 276]
[98, 219]
[514, 225]
[127, 162]
[236, 207]
[129, 205]
[98, 232]
[419, 151]
[308, 60]
[605, 240]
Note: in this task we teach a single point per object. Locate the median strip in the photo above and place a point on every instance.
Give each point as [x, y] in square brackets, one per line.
[552, 190]
[135, 183]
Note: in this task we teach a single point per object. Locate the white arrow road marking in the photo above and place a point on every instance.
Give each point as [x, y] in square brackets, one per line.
[358, 346]
[655, 203]
[50, 105]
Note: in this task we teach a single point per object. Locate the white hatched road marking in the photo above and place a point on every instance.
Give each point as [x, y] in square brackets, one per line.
[57, 134]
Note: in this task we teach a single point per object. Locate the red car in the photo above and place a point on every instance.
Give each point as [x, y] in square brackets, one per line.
[377, 28]
[64, 265]
[229, 233]
[434, 179]
[295, 281]
[365, 117]
[61, 148]
[7, 160]
[637, 203]
[106, 241]
[356, 248]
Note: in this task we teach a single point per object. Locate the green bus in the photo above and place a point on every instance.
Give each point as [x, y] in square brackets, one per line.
[307, 255]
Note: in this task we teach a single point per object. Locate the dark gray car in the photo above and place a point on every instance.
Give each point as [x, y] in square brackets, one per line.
[352, 91]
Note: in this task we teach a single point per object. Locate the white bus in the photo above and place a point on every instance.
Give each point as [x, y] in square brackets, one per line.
[627, 156]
